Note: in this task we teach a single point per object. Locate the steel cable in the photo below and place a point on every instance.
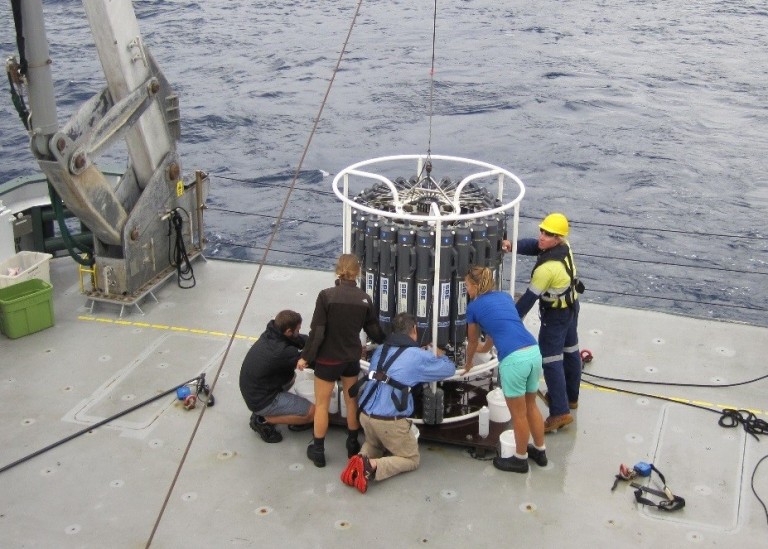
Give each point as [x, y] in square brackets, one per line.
[257, 275]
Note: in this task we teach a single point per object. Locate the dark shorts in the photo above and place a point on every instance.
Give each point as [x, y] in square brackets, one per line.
[337, 371]
[286, 404]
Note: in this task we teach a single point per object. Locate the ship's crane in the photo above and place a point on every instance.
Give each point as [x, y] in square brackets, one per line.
[131, 218]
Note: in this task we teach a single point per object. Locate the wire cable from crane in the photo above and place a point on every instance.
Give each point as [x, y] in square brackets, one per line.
[263, 260]
[428, 160]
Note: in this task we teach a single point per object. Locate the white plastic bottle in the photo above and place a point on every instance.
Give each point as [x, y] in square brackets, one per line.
[333, 408]
[7, 243]
[484, 420]
[342, 403]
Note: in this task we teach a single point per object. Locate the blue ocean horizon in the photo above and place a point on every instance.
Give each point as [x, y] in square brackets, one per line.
[644, 122]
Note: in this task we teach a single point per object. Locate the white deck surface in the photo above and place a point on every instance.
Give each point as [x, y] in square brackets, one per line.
[107, 488]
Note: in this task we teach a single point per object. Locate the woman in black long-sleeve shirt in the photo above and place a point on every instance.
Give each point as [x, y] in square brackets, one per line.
[334, 350]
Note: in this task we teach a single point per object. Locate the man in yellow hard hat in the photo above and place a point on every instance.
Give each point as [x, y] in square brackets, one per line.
[555, 286]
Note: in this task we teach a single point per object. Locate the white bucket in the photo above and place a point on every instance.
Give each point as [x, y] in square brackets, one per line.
[306, 388]
[302, 375]
[507, 443]
[497, 405]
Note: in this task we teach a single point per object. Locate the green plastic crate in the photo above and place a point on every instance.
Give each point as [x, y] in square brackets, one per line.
[26, 308]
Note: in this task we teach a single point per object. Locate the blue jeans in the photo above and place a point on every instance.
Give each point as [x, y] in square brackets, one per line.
[559, 344]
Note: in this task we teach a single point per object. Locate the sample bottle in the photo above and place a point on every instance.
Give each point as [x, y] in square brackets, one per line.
[484, 419]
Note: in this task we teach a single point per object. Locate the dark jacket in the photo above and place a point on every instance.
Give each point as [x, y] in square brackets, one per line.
[340, 313]
[269, 366]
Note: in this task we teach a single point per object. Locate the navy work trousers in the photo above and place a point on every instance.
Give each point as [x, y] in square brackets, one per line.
[559, 343]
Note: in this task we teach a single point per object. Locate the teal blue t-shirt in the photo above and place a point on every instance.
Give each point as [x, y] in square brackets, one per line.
[497, 316]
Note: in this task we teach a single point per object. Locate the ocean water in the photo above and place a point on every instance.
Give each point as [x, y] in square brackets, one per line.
[646, 122]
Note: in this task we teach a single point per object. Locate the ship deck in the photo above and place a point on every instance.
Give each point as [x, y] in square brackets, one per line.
[121, 484]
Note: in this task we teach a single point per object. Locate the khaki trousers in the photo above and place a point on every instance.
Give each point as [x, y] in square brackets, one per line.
[395, 437]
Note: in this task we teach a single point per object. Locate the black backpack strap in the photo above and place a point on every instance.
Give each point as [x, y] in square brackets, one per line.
[360, 382]
[379, 375]
[669, 502]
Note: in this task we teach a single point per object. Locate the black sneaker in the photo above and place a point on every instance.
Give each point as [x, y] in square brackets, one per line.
[368, 471]
[353, 445]
[316, 455]
[267, 431]
[511, 464]
[538, 456]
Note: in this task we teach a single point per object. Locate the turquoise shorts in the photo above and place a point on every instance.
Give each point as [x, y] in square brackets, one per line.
[520, 372]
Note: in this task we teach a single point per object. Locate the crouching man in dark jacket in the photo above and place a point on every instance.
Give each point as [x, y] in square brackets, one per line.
[386, 403]
[268, 373]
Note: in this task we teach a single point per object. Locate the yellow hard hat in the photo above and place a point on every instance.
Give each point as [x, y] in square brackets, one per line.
[555, 223]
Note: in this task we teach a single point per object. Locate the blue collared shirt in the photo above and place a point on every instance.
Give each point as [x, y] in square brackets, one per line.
[413, 366]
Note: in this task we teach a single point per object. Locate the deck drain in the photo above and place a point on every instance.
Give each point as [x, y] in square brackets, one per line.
[528, 507]
[342, 525]
[725, 351]
[634, 438]
[263, 510]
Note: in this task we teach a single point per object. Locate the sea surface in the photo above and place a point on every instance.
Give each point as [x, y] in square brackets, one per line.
[646, 122]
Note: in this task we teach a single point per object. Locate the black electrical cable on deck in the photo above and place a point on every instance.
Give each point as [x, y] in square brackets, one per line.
[729, 418]
[96, 425]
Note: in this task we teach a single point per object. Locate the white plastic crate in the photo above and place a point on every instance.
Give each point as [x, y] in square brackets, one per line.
[26, 265]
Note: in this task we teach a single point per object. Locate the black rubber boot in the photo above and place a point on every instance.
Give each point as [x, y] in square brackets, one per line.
[316, 454]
